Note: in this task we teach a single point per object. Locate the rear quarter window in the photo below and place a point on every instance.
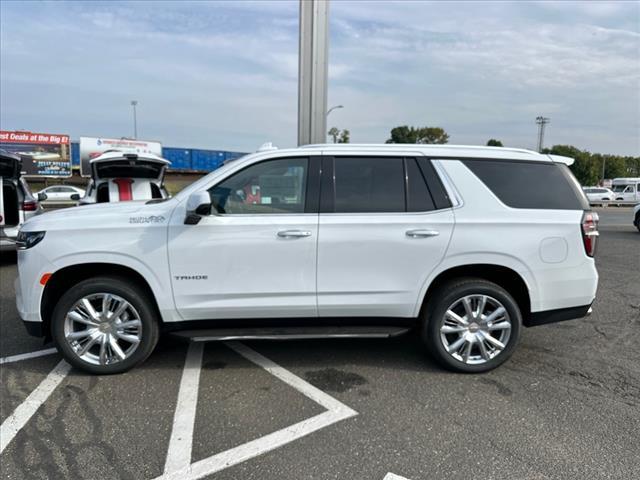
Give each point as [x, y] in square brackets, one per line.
[537, 185]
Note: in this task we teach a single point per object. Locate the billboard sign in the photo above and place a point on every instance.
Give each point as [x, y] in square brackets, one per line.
[42, 154]
[92, 147]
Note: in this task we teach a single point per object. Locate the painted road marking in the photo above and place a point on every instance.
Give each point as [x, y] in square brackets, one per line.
[26, 356]
[393, 476]
[181, 442]
[21, 415]
[336, 411]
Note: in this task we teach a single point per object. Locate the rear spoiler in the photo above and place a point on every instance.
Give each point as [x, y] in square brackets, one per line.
[561, 159]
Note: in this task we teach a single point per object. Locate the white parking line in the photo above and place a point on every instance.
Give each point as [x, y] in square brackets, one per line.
[393, 476]
[26, 356]
[336, 411]
[180, 444]
[21, 415]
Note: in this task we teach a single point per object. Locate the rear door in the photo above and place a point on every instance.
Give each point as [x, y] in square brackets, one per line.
[382, 232]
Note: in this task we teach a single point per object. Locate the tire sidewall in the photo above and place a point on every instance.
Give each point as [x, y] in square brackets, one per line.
[116, 286]
[435, 319]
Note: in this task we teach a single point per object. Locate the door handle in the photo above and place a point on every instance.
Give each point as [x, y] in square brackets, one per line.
[422, 233]
[294, 233]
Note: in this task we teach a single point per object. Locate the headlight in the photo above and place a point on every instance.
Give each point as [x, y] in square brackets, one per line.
[28, 239]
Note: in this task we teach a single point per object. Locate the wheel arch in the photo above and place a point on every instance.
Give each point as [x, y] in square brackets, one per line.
[501, 275]
[65, 278]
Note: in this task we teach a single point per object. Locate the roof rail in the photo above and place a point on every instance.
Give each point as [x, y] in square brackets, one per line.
[346, 146]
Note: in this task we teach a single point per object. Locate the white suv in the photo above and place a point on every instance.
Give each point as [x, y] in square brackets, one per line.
[463, 244]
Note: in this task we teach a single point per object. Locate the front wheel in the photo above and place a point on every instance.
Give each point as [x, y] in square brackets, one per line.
[471, 325]
[104, 325]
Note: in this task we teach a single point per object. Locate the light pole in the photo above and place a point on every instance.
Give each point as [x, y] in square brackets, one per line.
[541, 121]
[134, 103]
[333, 108]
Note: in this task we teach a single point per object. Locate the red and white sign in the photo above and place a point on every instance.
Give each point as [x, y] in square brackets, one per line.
[30, 137]
[91, 147]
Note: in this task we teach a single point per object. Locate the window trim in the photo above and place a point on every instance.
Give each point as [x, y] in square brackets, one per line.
[312, 192]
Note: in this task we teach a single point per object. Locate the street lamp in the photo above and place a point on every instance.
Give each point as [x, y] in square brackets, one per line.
[135, 121]
[333, 108]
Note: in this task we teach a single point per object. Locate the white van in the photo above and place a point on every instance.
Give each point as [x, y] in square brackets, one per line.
[626, 189]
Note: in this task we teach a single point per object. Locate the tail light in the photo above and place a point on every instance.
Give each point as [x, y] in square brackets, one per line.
[30, 205]
[590, 232]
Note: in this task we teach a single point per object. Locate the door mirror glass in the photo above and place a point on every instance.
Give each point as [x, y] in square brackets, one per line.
[75, 197]
[42, 197]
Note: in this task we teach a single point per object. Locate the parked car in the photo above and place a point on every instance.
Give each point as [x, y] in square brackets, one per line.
[598, 195]
[17, 203]
[119, 177]
[636, 216]
[62, 193]
[466, 245]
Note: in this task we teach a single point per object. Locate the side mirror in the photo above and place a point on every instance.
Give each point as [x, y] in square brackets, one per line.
[75, 197]
[198, 204]
[42, 197]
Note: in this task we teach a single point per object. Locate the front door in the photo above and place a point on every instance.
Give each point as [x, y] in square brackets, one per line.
[255, 255]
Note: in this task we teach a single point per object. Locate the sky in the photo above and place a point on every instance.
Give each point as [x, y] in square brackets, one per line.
[223, 75]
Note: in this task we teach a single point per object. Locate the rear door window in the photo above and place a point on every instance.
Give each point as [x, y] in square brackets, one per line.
[538, 185]
[369, 185]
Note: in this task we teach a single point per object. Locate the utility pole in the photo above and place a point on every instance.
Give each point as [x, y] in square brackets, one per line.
[541, 122]
[312, 71]
[134, 103]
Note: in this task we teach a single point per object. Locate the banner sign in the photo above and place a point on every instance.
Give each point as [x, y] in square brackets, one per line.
[92, 147]
[42, 154]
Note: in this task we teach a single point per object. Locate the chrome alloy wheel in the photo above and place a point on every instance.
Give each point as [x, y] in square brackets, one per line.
[103, 329]
[476, 328]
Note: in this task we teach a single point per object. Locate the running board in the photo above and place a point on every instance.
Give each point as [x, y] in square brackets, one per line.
[288, 333]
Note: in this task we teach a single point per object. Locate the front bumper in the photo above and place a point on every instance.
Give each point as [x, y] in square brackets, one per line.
[558, 315]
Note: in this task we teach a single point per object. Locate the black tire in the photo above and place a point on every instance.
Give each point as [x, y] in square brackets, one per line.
[434, 317]
[116, 286]
[637, 221]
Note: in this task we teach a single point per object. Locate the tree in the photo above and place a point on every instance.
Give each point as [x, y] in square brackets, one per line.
[494, 143]
[344, 136]
[335, 133]
[406, 134]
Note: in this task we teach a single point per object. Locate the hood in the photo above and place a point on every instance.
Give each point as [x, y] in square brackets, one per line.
[128, 165]
[10, 165]
[101, 215]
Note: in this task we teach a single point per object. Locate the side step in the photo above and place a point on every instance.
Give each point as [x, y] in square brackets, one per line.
[289, 333]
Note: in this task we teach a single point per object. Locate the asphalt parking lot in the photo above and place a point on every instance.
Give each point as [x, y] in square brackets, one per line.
[567, 405]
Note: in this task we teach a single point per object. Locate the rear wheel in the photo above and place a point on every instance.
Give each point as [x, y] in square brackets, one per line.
[471, 325]
[637, 222]
[105, 325]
